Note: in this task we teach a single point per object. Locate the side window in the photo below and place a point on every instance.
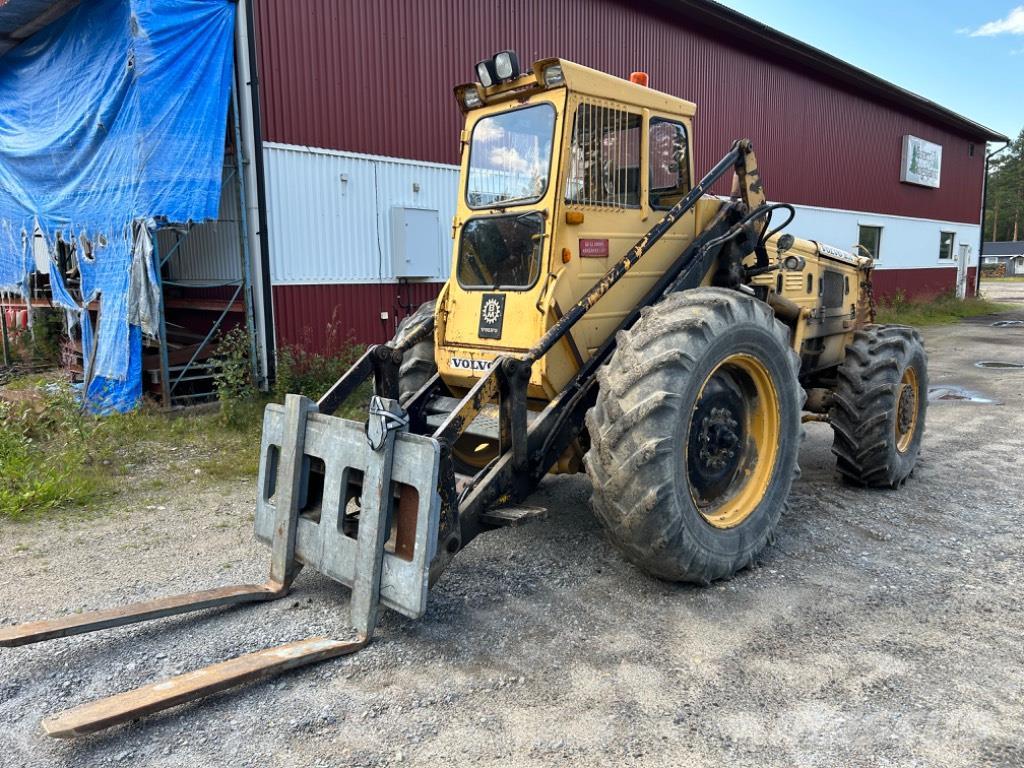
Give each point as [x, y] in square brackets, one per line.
[670, 166]
[870, 240]
[946, 240]
[604, 158]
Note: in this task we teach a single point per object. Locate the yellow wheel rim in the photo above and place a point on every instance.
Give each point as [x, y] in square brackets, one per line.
[906, 410]
[475, 452]
[732, 440]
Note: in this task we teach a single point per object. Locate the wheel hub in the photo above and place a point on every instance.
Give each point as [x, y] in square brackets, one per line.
[906, 409]
[716, 438]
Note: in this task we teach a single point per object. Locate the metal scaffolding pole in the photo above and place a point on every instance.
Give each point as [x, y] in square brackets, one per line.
[165, 383]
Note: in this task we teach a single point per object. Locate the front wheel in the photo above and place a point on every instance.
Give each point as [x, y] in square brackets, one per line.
[695, 435]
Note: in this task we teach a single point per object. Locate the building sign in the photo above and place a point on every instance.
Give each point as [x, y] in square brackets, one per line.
[921, 162]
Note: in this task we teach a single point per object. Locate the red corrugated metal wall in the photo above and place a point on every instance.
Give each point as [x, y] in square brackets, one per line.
[377, 77]
[318, 317]
[918, 283]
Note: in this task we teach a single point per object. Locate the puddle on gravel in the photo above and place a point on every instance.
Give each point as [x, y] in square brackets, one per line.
[948, 393]
[998, 364]
[1007, 323]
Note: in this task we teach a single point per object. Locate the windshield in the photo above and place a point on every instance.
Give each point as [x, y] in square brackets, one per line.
[510, 157]
[501, 251]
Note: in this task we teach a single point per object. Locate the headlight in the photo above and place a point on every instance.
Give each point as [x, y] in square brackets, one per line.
[553, 76]
[506, 65]
[471, 99]
[484, 73]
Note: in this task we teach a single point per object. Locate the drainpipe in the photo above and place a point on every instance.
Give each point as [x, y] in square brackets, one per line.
[255, 192]
[984, 207]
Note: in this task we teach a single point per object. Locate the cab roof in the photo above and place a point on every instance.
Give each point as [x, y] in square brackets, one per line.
[592, 82]
[578, 79]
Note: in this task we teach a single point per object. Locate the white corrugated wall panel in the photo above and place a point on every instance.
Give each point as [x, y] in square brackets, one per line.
[329, 216]
[906, 243]
[329, 212]
[211, 252]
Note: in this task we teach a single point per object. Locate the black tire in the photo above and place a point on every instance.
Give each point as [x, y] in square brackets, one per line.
[642, 425]
[881, 393]
[418, 363]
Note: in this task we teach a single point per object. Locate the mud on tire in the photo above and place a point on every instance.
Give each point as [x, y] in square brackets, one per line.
[642, 425]
[879, 405]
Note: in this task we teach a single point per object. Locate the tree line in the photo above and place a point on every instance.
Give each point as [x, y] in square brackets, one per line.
[1004, 213]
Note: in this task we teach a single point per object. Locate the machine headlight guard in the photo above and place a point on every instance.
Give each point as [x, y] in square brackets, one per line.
[553, 76]
[471, 98]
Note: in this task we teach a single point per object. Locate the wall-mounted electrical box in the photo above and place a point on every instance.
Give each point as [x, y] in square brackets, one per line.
[415, 242]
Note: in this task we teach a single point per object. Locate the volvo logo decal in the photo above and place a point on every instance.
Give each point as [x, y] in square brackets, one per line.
[468, 364]
[492, 315]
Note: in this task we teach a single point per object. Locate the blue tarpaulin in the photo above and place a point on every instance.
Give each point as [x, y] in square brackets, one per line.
[114, 114]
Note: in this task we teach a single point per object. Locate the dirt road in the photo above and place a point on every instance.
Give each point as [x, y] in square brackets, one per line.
[881, 629]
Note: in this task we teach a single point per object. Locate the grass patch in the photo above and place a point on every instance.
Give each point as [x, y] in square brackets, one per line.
[940, 310]
[55, 457]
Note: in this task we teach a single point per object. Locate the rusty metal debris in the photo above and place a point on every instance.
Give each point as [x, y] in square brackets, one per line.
[80, 623]
[113, 710]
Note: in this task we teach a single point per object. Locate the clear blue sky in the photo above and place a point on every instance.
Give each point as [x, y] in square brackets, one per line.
[966, 56]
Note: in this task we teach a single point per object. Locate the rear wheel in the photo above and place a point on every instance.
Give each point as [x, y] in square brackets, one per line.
[418, 362]
[695, 434]
[879, 405]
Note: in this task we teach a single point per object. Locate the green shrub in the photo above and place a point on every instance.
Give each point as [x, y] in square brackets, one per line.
[233, 378]
[312, 373]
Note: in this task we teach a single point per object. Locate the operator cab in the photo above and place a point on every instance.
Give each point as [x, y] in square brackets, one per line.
[563, 169]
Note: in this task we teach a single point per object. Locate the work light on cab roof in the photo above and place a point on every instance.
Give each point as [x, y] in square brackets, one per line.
[497, 72]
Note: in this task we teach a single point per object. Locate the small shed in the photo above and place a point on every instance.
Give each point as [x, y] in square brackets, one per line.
[1004, 258]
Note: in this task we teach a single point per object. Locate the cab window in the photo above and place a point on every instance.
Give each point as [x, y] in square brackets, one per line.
[604, 158]
[510, 157]
[670, 164]
[501, 251]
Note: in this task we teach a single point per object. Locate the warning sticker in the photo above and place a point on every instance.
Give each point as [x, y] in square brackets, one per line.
[593, 248]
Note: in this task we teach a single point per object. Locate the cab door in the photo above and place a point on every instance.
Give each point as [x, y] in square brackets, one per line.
[624, 168]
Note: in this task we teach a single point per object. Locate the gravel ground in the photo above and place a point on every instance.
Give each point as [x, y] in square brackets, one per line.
[881, 629]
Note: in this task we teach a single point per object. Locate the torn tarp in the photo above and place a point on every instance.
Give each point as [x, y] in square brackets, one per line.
[112, 115]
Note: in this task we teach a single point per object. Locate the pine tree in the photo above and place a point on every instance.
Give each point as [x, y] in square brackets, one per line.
[1004, 215]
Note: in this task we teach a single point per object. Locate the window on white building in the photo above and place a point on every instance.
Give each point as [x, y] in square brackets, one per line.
[946, 240]
[870, 240]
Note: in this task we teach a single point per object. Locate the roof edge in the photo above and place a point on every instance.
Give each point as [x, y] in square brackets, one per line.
[716, 15]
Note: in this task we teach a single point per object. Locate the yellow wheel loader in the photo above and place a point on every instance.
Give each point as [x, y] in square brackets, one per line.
[605, 313]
